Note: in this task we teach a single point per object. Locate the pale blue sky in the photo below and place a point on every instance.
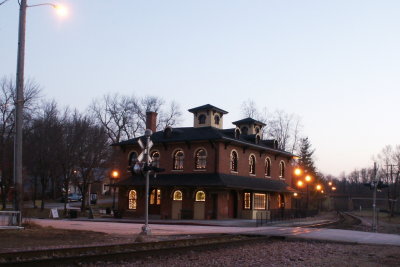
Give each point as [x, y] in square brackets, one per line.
[334, 63]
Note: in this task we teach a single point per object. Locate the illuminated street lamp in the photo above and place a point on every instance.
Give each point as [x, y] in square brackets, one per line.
[297, 171]
[19, 103]
[300, 183]
[318, 187]
[308, 178]
[114, 177]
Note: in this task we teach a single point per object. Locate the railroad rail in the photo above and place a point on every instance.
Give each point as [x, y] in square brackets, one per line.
[69, 256]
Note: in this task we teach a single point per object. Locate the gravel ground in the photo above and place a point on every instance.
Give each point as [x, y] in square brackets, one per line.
[272, 253]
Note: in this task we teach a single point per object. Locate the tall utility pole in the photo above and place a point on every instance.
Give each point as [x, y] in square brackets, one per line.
[375, 183]
[19, 104]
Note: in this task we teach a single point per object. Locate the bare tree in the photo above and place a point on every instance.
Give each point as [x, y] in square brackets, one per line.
[92, 153]
[42, 143]
[118, 115]
[125, 117]
[389, 159]
[281, 126]
[7, 113]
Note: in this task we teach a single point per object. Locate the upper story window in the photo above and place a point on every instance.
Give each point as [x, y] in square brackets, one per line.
[200, 196]
[132, 158]
[216, 119]
[258, 138]
[282, 169]
[237, 133]
[234, 161]
[155, 157]
[178, 160]
[252, 164]
[178, 195]
[245, 130]
[202, 119]
[200, 159]
[267, 167]
[257, 130]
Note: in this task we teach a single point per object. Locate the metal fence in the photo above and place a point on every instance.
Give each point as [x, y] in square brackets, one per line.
[277, 215]
[10, 219]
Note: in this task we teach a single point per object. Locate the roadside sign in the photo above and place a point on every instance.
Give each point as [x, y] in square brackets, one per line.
[54, 213]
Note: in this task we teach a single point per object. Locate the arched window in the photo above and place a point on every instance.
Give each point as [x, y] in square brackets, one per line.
[202, 119]
[216, 119]
[282, 169]
[267, 167]
[237, 133]
[234, 161]
[245, 130]
[132, 158]
[200, 196]
[252, 164]
[155, 157]
[177, 195]
[258, 138]
[178, 160]
[200, 159]
[155, 197]
[132, 200]
[257, 129]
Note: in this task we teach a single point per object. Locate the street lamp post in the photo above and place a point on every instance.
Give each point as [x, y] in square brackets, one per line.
[114, 176]
[19, 102]
[18, 189]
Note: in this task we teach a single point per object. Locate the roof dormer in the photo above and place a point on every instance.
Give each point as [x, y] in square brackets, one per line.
[208, 115]
[249, 126]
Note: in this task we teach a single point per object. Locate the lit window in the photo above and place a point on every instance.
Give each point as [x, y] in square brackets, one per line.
[155, 157]
[216, 119]
[200, 159]
[178, 160]
[252, 164]
[267, 167]
[260, 201]
[132, 158]
[200, 196]
[132, 200]
[234, 161]
[281, 201]
[202, 119]
[155, 197]
[282, 169]
[247, 201]
[177, 195]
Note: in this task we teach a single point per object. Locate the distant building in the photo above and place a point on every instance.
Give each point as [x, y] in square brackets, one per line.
[210, 172]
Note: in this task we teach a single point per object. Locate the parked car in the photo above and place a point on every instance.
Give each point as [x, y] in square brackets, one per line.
[74, 197]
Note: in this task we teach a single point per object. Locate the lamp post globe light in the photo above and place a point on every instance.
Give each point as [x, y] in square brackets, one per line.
[114, 177]
[19, 102]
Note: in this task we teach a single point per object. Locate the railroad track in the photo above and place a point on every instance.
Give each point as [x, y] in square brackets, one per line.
[77, 255]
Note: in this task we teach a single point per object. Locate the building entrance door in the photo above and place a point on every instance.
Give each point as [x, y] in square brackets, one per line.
[155, 201]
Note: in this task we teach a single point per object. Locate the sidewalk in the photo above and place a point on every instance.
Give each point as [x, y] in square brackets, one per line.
[129, 228]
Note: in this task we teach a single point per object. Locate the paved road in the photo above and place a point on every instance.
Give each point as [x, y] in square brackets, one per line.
[164, 229]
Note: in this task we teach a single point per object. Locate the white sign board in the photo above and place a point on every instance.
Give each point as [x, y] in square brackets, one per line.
[54, 214]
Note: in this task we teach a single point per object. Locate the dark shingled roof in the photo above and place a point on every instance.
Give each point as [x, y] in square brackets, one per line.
[248, 121]
[187, 134]
[207, 106]
[214, 180]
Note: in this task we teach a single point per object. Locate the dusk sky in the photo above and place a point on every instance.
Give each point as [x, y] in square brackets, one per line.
[336, 64]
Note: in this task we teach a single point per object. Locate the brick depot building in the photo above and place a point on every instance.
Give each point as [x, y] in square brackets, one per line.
[210, 172]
